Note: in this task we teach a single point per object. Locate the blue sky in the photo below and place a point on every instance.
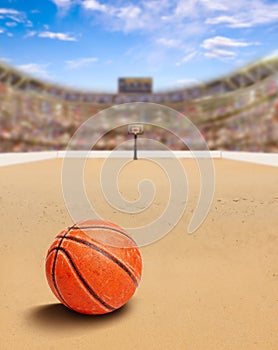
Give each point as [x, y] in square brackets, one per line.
[88, 44]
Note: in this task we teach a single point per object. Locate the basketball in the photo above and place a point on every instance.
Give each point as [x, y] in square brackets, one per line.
[93, 267]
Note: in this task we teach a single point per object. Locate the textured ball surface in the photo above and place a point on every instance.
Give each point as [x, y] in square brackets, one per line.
[93, 267]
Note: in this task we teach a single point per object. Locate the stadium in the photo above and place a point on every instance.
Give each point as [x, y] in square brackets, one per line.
[236, 113]
[215, 288]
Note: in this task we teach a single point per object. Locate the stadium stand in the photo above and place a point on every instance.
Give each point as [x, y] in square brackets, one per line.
[236, 112]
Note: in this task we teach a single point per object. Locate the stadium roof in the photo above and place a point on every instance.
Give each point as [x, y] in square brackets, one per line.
[241, 78]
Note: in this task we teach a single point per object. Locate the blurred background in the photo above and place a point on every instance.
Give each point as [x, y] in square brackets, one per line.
[236, 112]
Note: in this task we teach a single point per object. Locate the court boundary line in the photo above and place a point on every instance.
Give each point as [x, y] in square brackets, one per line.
[28, 157]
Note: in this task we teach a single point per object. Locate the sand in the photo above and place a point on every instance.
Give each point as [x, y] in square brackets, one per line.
[215, 289]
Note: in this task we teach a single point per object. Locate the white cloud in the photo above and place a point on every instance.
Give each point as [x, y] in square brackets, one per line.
[34, 69]
[80, 62]
[187, 58]
[126, 16]
[263, 13]
[50, 35]
[4, 11]
[58, 36]
[11, 24]
[3, 31]
[220, 46]
[179, 24]
[29, 23]
[230, 21]
[218, 53]
[185, 8]
[169, 42]
[248, 14]
[199, 8]
[216, 5]
[94, 5]
[128, 12]
[222, 41]
[30, 34]
[153, 14]
[18, 19]
[13, 15]
[62, 3]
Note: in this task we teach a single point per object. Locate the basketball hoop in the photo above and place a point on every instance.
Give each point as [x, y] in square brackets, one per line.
[135, 129]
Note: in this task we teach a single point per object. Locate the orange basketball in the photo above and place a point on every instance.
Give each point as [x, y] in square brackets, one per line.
[93, 267]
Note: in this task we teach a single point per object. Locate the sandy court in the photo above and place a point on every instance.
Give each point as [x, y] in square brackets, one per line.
[216, 289]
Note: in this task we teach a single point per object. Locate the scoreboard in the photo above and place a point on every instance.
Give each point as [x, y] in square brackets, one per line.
[135, 85]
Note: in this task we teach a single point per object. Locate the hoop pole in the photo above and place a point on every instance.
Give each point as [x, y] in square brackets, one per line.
[135, 147]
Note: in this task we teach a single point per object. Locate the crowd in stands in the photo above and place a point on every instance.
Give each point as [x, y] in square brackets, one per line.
[245, 119]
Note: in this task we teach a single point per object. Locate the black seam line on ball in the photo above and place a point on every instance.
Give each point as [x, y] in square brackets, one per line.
[62, 238]
[54, 265]
[86, 285]
[109, 256]
[104, 228]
